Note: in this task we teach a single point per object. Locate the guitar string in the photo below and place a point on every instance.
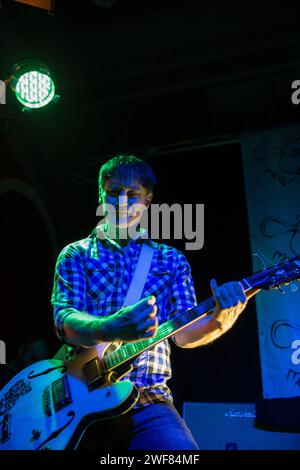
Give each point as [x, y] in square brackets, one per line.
[114, 358]
[163, 330]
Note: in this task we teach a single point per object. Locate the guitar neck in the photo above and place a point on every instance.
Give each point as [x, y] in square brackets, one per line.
[129, 350]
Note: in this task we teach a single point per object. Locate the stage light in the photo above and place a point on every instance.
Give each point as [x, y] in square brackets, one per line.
[32, 84]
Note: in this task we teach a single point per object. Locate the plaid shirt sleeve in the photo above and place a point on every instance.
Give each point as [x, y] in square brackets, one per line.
[69, 290]
[182, 293]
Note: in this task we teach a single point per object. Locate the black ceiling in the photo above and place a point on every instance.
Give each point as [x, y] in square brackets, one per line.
[146, 75]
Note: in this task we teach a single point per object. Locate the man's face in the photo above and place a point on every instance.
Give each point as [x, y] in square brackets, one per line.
[125, 197]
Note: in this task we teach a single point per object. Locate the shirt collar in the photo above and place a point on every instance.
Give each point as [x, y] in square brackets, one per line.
[138, 237]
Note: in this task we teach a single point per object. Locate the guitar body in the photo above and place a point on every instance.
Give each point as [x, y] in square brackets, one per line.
[50, 404]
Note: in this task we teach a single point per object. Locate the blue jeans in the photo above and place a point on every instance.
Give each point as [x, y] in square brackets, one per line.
[157, 426]
[160, 427]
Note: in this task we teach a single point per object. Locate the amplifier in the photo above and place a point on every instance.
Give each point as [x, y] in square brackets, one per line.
[230, 426]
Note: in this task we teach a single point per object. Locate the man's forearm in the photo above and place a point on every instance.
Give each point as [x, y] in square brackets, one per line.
[82, 329]
[206, 329]
[201, 332]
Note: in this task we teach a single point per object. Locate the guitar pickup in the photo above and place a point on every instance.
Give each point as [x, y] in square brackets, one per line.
[93, 374]
[61, 393]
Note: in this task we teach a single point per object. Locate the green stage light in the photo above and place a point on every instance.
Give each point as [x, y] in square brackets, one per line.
[35, 89]
[33, 85]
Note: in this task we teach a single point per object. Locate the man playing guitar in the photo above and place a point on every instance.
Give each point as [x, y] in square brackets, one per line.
[91, 280]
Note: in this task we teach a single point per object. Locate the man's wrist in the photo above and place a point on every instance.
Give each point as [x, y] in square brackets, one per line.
[101, 330]
[219, 325]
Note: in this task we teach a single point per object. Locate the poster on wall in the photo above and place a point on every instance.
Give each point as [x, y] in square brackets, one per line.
[271, 162]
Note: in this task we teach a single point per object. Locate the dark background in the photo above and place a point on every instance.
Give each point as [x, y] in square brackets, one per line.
[177, 83]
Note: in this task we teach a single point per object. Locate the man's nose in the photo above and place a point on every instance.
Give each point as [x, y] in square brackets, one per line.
[123, 198]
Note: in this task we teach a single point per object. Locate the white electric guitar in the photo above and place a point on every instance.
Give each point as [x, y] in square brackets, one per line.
[50, 404]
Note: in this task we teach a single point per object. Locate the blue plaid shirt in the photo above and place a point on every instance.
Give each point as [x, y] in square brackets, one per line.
[93, 276]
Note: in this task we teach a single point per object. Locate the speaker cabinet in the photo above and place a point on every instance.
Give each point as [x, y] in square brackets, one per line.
[230, 426]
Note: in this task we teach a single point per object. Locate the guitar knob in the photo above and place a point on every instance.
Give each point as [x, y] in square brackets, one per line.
[293, 287]
[36, 433]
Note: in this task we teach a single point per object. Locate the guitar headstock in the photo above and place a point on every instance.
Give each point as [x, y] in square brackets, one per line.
[277, 275]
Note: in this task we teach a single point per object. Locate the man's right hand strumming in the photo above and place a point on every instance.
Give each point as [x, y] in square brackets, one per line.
[131, 323]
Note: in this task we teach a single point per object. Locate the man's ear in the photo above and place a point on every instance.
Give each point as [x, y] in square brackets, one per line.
[148, 199]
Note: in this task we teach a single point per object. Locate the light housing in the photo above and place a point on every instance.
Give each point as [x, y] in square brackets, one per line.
[32, 84]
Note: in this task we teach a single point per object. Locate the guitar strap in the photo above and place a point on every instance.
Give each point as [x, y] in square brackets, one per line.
[140, 275]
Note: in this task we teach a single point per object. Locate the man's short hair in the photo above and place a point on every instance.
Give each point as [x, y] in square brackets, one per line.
[127, 168]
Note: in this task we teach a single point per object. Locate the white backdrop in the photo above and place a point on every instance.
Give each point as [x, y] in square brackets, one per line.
[272, 176]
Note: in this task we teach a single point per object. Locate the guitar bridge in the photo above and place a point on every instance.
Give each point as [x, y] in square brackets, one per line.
[46, 401]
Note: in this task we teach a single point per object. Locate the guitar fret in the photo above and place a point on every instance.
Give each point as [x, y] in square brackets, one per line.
[245, 283]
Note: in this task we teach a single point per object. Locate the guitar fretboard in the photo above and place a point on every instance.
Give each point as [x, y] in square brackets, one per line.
[167, 329]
